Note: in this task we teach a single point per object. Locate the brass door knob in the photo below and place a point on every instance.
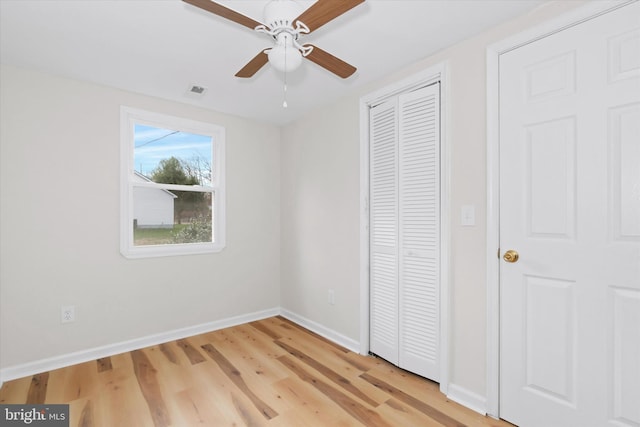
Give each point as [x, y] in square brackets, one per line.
[511, 256]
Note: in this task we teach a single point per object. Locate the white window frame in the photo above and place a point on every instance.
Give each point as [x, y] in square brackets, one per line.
[129, 117]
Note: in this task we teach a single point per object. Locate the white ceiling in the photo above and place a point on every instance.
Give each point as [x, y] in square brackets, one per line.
[162, 47]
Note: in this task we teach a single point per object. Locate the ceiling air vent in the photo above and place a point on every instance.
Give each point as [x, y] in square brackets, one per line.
[196, 91]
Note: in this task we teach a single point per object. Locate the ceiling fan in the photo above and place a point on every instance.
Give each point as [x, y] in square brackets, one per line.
[285, 23]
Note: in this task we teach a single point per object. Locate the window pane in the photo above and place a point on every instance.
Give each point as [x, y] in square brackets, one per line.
[162, 217]
[172, 157]
[166, 156]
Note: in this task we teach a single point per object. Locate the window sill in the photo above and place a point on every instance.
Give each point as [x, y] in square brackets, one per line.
[152, 251]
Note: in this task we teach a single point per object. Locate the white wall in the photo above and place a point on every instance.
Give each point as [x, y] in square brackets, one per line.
[320, 212]
[59, 184]
[320, 200]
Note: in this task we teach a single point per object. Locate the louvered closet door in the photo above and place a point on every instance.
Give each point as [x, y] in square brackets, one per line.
[405, 230]
[419, 224]
[383, 133]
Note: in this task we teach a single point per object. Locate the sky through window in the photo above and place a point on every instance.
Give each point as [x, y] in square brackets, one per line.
[154, 144]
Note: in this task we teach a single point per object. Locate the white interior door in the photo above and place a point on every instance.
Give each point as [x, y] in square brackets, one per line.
[405, 231]
[419, 237]
[383, 222]
[570, 206]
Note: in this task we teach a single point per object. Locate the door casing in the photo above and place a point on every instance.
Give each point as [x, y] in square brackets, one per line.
[494, 51]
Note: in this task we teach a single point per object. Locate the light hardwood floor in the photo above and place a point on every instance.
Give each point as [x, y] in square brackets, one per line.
[266, 373]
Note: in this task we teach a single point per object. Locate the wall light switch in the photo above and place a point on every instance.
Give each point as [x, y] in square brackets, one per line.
[468, 215]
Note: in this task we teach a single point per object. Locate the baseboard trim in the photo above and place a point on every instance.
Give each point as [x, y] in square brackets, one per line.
[44, 365]
[467, 398]
[456, 393]
[323, 331]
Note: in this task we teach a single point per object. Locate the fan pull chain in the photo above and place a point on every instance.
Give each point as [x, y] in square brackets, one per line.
[284, 103]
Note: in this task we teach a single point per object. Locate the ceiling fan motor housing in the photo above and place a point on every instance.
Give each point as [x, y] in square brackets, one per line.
[280, 14]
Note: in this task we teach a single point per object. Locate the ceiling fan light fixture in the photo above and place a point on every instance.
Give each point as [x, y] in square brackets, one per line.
[284, 56]
[285, 21]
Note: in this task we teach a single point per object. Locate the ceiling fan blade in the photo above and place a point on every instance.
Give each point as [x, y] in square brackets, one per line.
[326, 60]
[324, 11]
[253, 66]
[225, 12]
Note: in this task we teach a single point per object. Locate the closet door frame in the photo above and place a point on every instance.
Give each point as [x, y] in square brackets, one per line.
[434, 74]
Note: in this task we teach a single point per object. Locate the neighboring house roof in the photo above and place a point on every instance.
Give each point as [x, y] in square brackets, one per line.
[146, 179]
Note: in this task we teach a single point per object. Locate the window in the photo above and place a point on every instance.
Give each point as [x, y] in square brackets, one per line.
[172, 185]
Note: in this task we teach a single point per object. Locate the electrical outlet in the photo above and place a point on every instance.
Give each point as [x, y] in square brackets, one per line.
[332, 297]
[68, 314]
